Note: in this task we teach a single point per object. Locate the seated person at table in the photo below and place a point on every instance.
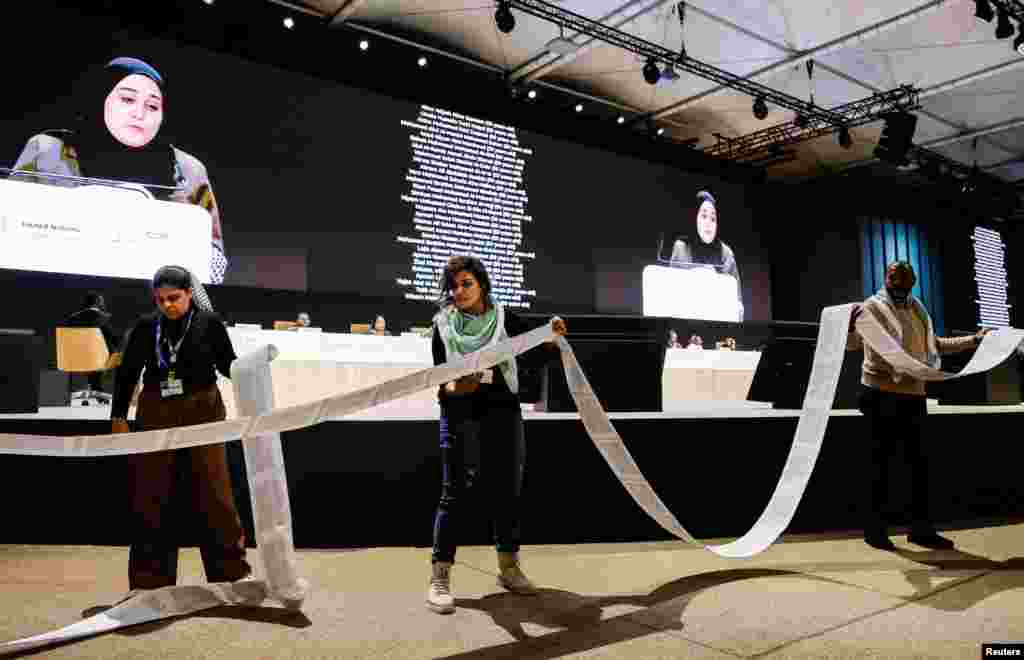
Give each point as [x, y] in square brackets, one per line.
[696, 343]
[673, 340]
[94, 315]
[302, 321]
[727, 344]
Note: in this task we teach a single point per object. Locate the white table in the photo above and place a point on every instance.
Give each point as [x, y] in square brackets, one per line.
[706, 376]
[314, 365]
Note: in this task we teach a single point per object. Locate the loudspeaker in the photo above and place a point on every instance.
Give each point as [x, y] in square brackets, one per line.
[783, 372]
[21, 359]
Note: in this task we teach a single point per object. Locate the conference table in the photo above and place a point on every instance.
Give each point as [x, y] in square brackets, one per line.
[312, 365]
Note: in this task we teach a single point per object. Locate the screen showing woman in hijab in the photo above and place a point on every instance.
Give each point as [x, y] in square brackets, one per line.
[704, 247]
[123, 143]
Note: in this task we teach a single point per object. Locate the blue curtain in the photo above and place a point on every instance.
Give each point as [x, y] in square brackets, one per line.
[884, 241]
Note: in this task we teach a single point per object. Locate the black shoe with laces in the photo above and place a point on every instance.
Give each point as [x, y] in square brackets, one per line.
[879, 541]
[931, 540]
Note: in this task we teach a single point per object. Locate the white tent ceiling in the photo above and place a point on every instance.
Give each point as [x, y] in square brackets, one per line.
[971, 82]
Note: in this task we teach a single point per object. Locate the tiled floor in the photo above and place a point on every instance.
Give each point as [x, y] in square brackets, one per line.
[807, 597]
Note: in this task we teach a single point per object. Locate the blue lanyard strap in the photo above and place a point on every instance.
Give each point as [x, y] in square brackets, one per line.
[172, 350]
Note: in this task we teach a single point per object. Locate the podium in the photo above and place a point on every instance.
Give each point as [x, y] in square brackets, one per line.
[690, 292]
[102, 232]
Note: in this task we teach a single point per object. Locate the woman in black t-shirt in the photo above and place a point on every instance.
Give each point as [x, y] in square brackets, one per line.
[178, 350]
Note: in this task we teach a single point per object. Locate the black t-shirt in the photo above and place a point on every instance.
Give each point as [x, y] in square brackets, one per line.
[497, 392]
[205, 350]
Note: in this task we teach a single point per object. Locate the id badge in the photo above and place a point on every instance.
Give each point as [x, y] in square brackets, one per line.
[171, 387]
[487, 376]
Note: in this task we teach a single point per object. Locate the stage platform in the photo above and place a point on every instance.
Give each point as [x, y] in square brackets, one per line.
[371, 480]
[807, 597]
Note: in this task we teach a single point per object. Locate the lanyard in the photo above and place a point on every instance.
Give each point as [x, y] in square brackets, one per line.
[172, 350]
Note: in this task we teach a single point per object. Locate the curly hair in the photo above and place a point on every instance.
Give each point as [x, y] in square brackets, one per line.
[456, 265]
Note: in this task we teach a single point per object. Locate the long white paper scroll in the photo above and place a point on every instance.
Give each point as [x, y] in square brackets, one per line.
[268, 483]
[828, 357]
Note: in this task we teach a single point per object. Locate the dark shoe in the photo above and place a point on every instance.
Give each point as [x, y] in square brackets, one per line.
[879, 541]
[931, 540]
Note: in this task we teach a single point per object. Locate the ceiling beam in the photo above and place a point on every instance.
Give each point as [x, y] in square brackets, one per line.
[545, 62]
[987, 72]
[302, 9]
[497, 69]
[930, 91]
[800, 57]
[347, 8]
[1007, 125]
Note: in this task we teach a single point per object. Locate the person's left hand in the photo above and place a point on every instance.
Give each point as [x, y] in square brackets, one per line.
[558, 325]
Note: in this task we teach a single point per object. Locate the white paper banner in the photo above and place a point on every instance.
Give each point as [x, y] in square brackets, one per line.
[810, 432]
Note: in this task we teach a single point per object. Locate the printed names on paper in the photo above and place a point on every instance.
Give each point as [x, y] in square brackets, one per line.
[467, 190]
[990, 276]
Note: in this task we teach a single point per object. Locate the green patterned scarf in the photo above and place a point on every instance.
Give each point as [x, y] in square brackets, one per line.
[463, 334]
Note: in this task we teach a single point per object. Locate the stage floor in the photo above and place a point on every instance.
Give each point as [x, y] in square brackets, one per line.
[698, 410]
[806, 597]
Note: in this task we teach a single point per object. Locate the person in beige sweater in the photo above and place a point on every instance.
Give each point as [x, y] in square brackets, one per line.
[895, 404]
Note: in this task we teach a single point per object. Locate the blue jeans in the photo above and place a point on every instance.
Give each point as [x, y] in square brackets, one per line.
[483, 453]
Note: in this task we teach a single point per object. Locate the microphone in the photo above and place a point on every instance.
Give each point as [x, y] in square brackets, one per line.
[661, 245]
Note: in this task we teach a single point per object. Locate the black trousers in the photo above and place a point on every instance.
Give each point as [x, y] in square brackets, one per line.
[895, 423]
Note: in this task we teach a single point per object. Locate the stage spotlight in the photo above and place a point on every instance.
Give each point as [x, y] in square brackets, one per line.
[364, 44]
[897, 138]
[504, 19]
[1004, 28]
[621, 120]
[845, 141]
[579, 107]
[651, 72]
[1018, 43]
[983, 10]
[288, 22]
[422, 61]
[760, 108]
[532, 94]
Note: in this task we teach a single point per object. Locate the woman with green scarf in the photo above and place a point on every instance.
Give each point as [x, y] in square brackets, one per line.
[482, 406]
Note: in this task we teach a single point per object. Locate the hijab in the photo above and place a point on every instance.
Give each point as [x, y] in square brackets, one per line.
[100, 154]
[701, 252]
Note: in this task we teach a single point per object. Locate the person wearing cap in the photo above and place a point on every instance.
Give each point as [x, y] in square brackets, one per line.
[124, 144]
[178, 350]
[895, 404]
[704, 246]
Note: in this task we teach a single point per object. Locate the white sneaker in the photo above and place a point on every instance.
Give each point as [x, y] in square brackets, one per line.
[439, 596]
[511, 576]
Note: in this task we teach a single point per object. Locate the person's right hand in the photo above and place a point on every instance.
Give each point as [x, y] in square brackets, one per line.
[465, 385]
[857, 310]
[119, 426]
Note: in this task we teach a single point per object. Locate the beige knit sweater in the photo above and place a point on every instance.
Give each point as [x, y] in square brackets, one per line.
[877, 373]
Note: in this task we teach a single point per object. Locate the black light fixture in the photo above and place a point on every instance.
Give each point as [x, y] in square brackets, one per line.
[1018, 43]
[503, 17]
[845, 141]
[983, 10]
[1004, 28]
[896, 138]
[760, 108]
[651, 72]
